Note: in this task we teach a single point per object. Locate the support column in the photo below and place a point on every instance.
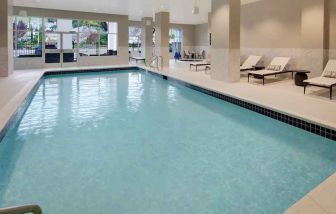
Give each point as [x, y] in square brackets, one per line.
[225, 47]
[6, 38]
[147, 37]
[313, 40]
[162, 36]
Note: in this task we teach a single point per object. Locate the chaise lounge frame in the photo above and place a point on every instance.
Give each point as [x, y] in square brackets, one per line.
[320, 86]
[198, 64]
[321, 81]
[271, 73]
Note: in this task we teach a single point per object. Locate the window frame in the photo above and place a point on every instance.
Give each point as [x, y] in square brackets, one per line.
[108, 33]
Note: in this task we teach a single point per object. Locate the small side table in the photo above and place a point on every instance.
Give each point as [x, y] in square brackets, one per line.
[300, 77]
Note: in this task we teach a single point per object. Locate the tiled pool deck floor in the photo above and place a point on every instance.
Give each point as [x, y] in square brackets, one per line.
[282, 96]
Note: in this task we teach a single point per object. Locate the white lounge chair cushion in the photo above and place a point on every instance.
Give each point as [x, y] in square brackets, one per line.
[323, 81]
[330, 74]
[280, 62]
[274, 68]
[250, 62]
[263, 72]
[331, 66]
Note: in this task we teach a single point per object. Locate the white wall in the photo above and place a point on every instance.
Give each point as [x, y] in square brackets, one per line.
[271, 28]
[202, 40]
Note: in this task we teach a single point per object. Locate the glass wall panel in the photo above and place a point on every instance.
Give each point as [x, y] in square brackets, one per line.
[27, 37]
[134, 40]
[52, 41]
[89, 44]
[50, 24]
[91, 37]
[175, 41]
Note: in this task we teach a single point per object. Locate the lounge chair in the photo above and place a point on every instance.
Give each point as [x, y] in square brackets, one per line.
[277, 66]
[201, 55]
[186, 55]
[326, 80]
[250, 63]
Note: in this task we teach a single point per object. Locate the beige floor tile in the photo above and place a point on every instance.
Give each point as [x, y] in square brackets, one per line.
[306, 206]
[325, 195]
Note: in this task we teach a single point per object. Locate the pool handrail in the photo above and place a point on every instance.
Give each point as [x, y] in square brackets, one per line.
[158, 62]
[33, 208]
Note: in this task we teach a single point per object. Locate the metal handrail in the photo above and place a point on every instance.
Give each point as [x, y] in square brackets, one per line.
[35, 209]
[156, 60]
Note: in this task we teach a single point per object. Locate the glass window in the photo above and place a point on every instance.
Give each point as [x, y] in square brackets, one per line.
[36, 24]
[175, 41]
[134, 40]
[89, 44]
[50, 24]
[21, 23]
[108, 44]
[66, 25]
[61, 25]
[52, 41]
[92, 26]
[69, 41]
[113, 27]
[27, 37]
[97, 38]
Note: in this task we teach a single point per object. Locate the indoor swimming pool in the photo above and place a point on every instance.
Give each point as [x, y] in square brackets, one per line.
[131, 142]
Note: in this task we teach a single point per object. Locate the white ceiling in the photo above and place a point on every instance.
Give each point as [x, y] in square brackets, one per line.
[180, 10]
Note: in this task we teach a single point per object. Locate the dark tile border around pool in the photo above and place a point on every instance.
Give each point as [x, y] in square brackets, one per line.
[299, 123]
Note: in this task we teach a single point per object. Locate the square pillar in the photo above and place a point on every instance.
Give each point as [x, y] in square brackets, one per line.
[225, 37]
[147, 37]
[313, 36]
[162, 36]
[6, 38]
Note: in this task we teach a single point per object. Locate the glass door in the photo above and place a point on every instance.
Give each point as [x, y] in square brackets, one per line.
[69, 49]
[52, 48]
[61, 49]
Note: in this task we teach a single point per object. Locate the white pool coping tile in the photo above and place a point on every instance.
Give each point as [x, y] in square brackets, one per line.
[306, 206]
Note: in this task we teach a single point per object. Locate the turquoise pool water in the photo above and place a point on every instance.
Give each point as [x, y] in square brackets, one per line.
[132, 143]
